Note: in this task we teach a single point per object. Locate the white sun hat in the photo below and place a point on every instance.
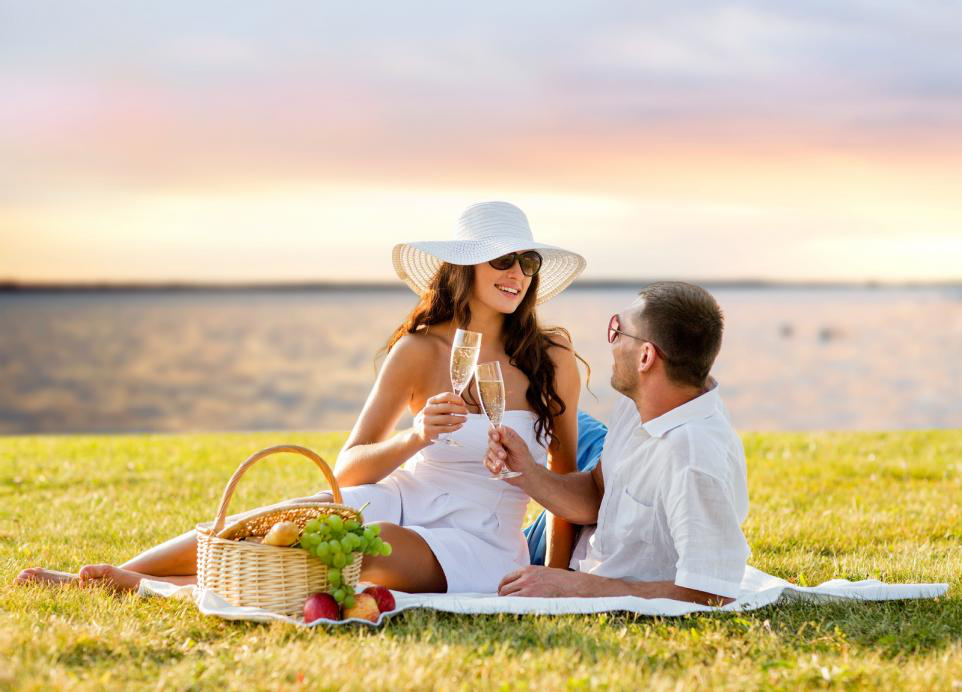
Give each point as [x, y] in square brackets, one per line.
[486, 231]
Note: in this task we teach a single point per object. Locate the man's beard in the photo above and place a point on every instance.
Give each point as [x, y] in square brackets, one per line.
[622, 384]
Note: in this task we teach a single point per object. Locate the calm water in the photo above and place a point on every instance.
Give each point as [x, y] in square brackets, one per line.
[792, 359]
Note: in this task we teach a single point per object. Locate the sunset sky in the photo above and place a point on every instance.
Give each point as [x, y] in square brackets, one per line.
[299, 141]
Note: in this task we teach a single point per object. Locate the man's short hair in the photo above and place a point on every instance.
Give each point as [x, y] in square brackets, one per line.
[685, 321]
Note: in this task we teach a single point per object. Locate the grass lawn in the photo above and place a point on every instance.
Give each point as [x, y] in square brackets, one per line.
[824, 505]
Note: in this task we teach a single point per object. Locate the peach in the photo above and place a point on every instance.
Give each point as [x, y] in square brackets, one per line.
[365, 608]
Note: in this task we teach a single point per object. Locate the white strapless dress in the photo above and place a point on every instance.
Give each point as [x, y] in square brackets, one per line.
[471, 522]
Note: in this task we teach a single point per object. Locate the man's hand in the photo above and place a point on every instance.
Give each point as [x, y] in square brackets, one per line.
[506, 450]
[541, 581]
[551, 582]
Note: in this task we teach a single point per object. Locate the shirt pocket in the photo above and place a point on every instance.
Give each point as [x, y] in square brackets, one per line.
[637, 525]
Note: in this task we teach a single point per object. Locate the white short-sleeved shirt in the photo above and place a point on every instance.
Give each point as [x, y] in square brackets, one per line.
[675, 498]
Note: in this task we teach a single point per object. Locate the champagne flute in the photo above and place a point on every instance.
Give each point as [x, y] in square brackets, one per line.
[465, 350]
[491, 394]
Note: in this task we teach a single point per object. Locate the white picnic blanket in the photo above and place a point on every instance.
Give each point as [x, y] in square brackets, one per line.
[758, 590]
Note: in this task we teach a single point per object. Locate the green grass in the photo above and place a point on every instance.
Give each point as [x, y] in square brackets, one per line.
[823, 505]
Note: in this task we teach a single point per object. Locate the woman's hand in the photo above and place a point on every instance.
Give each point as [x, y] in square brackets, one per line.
[442, 413]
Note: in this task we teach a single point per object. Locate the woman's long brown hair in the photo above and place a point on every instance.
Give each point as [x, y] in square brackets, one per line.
[526, 343]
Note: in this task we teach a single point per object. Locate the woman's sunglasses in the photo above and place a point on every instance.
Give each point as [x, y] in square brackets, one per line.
[530, 262]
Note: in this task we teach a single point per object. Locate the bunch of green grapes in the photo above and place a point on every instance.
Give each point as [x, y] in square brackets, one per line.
[333, 541]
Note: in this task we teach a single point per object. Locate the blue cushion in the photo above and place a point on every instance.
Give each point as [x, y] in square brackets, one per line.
[591, 438]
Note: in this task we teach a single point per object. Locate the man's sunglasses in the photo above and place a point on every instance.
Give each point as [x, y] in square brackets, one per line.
[530, 262]
[614, 329]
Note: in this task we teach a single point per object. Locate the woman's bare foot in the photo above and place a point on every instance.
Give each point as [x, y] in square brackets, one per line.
[110, 577]
[39, 575]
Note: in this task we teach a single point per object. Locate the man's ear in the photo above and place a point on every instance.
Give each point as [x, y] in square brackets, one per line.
[646, 359]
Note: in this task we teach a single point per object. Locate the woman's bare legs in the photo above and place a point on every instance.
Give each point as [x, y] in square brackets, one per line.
[40, 575]
[173, 561]
[411, 566]
[174, 558]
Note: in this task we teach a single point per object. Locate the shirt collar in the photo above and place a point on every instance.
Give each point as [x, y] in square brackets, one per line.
[701, 406]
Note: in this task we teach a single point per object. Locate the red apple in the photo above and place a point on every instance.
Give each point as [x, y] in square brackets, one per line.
[365, 608]
[383, 596]
[321, 605]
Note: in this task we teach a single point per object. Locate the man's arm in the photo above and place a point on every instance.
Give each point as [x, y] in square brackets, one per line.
[572, 496]
[545, 581]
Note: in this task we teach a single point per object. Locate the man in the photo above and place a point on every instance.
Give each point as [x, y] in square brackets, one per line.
[669, 494]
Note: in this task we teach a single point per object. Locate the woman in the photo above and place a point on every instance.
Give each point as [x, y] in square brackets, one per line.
[452, 527]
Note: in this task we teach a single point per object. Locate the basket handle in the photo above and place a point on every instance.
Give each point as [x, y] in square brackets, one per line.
[254, 458]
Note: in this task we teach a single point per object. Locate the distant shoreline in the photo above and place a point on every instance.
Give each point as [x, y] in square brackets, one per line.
[8, 287]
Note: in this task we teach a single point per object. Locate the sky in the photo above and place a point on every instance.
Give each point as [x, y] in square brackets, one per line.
[254, 141]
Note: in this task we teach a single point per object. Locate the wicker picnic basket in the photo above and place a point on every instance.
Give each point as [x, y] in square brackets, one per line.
[247, 573]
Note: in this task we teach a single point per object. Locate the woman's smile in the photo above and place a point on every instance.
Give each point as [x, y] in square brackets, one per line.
[509, 289]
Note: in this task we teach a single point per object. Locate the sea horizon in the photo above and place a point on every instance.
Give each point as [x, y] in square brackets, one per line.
[203, 357]
[110, 286]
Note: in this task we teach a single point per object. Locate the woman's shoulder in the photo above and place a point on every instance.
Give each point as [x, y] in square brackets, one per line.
[562, 354]
[408, 361]
[560, 348]
[420, 346]
[558, 337]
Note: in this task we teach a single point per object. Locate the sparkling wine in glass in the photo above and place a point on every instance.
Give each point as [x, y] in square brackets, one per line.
[491, 394]
[464, 358]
